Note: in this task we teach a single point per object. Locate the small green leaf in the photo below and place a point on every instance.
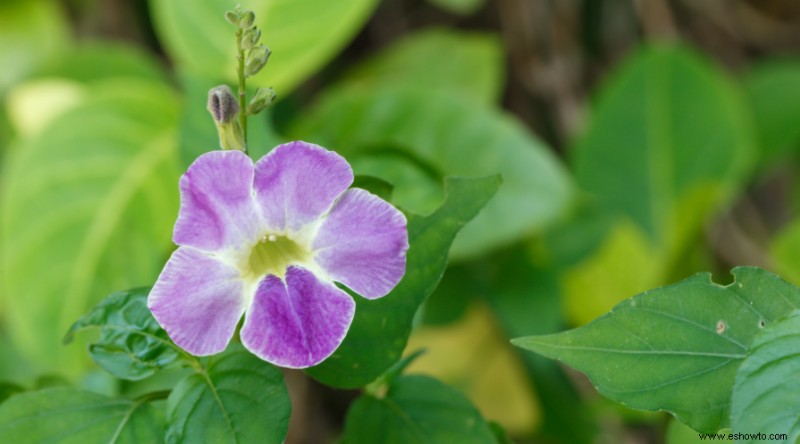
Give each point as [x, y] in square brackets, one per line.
[71, 416]
[676, 348]
[303, 35]
[233, 398]
[416, 409]
[765, 392]
[474, 68]
[381, 327]
[448, 136]
[132, 345]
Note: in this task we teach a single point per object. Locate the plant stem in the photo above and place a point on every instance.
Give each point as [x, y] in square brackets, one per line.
[242, 90]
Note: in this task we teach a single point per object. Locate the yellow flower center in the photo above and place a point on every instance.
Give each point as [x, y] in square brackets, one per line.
[273, 253]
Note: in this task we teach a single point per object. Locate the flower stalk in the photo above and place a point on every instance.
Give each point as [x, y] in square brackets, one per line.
[229, 112]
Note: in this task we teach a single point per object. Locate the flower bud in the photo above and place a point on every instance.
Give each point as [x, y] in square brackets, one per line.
[224, 110]
[256, 60]
[232, 17]
[246, 19]
[263, 98]
[222, 104]
[250, 38]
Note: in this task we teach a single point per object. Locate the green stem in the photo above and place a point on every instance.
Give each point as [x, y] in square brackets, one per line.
[242, 90]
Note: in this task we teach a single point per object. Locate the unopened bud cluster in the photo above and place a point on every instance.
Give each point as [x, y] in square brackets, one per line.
[256, 55]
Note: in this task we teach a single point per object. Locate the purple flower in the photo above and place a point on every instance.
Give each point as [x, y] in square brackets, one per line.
[269, 240]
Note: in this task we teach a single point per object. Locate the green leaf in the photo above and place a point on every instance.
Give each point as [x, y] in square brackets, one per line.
[447, 135]
[773, 88]
[667, 144]
[374, 185]
[381, 327]
[416, 409]
[500, 434]
[675, 348]
[103, 60]
[7, 389]
[679, 433]
[233, 398]
[474, 68]
[765, 393]
[302, 34]
[30, 32]
[86, 208]
[71, 416]
[132, 345]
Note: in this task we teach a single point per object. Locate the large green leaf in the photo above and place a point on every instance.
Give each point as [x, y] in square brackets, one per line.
[676, 348]
[30, 32]
[773, 89]
[67, 79]
[381, 327]
[102, 60]
[303, 35]
[446, 135]
[765, 395]
[131, 345]
[71, 416]
[474, 68]
[233, 398]
[416, 410]
[87, 208]
[667, 144]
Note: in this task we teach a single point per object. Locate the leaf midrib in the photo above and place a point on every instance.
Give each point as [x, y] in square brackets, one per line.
[107, 217]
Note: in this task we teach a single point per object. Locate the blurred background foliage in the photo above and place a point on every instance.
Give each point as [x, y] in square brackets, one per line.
[639, 142]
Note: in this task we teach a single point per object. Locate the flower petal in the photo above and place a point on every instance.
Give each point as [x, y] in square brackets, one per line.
[198, 300]
[297, 323]
[218, 211]
[297, 182]
[362, 243]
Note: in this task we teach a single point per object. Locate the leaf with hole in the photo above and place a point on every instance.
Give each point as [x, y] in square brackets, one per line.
[675, 348]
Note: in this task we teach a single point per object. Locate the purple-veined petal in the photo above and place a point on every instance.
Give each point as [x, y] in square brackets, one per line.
[297, 182]
[362, 243]
[298, 322]
[218, 211]
[198, 300]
